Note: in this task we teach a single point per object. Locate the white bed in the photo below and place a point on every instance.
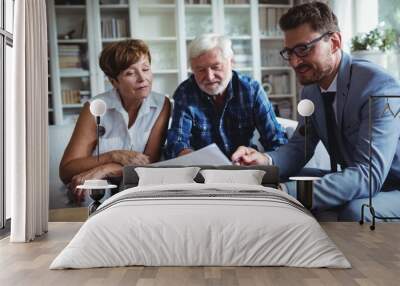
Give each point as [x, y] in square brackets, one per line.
[201, 224]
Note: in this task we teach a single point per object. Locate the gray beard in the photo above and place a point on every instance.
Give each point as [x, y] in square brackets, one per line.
[228, 79]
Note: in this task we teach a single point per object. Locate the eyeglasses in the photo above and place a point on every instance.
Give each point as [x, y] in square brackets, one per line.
[302, 50]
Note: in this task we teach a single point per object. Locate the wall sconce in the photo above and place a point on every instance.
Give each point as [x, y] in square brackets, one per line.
[98, 108]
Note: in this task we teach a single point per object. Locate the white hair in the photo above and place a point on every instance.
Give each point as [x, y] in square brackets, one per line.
[207, 42]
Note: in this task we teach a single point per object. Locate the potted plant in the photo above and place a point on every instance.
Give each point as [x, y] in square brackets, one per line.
[376, 46]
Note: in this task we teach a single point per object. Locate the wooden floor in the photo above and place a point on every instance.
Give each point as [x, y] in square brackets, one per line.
[68, 214]
[374, 255]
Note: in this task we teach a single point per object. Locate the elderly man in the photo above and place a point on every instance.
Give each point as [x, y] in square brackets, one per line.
[340, 88]
[219, 105]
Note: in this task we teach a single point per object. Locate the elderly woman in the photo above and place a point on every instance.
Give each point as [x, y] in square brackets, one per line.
[135, 122]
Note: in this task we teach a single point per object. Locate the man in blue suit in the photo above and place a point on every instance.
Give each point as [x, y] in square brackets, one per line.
[340, 87]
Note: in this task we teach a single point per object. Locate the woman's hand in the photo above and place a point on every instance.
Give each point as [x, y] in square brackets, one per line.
[99, 172]
[125, 157]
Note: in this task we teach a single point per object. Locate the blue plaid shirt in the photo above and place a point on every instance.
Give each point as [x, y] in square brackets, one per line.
[196, 122]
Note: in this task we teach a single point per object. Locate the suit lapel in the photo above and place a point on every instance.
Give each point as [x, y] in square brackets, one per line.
[342, 94]
[343, 86]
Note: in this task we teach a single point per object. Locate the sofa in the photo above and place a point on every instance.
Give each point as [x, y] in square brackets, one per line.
[59, 136]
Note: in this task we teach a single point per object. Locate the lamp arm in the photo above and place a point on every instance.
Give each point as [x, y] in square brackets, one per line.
[306, 123]
[98, 136]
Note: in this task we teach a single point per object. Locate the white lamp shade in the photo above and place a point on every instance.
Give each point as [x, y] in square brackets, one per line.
[305, 107]
[98, 107]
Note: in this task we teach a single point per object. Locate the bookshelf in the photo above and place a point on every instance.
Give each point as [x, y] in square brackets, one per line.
[276, 76]
[70, 55]
[79, 29]
[237, 24]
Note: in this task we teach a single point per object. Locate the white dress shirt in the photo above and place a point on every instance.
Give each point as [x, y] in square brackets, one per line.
[117, 134]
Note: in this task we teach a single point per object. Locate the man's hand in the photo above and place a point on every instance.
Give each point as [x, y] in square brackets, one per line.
[248, 156]
[126, 157]
[184, 152]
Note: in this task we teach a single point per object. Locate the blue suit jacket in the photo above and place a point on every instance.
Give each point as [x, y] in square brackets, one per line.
[356, 81]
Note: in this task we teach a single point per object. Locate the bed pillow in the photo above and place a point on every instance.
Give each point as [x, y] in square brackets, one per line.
[163, 176]
[248, 177]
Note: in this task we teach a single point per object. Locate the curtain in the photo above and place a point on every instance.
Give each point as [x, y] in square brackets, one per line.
[26, 124]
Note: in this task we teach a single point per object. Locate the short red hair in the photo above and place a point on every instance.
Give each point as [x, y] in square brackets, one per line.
[117, 57]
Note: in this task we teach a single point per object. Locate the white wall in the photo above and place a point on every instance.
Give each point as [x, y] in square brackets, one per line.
[355, 16]
[365, 15]
[343, 9]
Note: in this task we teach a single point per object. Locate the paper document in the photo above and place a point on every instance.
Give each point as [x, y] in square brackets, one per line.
[209, 155]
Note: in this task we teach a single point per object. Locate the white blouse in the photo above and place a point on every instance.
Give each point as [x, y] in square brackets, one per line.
[117, 135]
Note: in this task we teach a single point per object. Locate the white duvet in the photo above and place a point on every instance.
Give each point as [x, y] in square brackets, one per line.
[201, 224]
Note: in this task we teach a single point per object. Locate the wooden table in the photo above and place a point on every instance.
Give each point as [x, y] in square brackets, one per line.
[374, 255]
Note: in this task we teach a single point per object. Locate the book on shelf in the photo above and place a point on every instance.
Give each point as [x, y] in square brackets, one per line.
[236, 2]
[262, 19]
[71, 96]
[69, 62]
[197, 2]
[114, 27]
[270, 57]
[275, 2]
[243, 60]
[269, 21]
[113, 2]
[241, 47]
[83, 29]
[279, 14]
[69, 56]
[69, 50]
[279, 83]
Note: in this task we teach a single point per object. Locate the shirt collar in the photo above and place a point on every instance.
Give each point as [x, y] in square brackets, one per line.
[113, 101]
[229, 90]
[332, 87]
